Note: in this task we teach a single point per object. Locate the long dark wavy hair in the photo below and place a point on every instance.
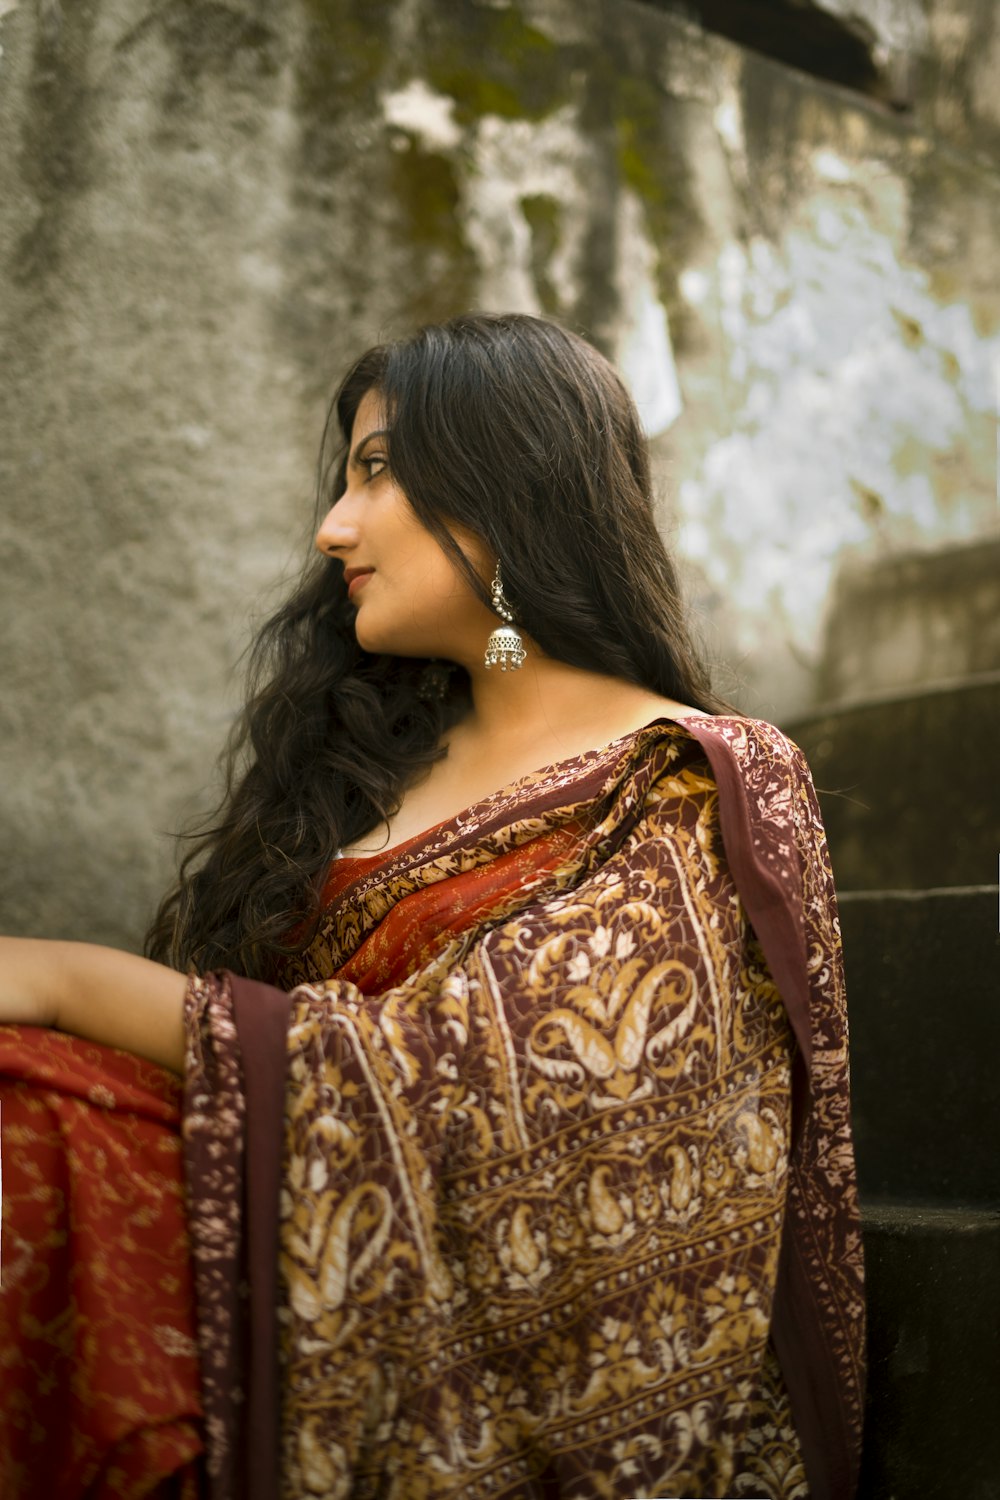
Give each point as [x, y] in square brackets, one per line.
[522, 433]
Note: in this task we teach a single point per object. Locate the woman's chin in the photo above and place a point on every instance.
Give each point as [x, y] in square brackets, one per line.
[370, 638]
[388, 642]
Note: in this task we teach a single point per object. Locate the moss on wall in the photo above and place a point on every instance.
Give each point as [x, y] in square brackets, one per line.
[344, 59]
[653, 160]
[55, 137]
[425, 191]
[493, 62]
[544, 218]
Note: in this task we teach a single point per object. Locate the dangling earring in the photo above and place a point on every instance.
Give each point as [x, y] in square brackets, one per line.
[504, 649]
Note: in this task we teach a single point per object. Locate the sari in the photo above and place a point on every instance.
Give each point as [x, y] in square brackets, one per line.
[533, 1176]
[99, 1386]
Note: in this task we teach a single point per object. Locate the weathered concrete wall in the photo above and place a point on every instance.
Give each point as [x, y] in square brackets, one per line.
[205, 209]
[155, 446]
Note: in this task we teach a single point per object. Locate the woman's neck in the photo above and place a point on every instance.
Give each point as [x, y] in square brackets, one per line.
[540, 715]
[550, 703]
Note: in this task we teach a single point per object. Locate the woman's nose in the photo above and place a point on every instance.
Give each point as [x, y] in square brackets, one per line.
[336, 532]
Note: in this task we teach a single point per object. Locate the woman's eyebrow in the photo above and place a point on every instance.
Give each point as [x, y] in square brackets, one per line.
[358, 447]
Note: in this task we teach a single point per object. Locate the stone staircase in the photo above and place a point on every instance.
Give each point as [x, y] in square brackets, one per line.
[909, 783]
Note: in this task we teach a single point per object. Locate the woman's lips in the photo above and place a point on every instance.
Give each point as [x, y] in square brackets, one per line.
[358, 581]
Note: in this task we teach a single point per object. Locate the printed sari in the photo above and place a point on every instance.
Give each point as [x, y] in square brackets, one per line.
[532, 1179]
[564, 1205]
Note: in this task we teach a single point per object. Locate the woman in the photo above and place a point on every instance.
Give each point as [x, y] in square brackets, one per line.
[528, 1112]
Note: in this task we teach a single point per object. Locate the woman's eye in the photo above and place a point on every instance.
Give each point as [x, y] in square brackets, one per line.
[375, 464]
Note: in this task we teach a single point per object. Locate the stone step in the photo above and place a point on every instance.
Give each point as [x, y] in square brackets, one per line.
[931, 1428]
[909, 786]
[899, 622]
[923, 999]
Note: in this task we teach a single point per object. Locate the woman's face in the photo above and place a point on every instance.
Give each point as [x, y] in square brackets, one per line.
[411, 600]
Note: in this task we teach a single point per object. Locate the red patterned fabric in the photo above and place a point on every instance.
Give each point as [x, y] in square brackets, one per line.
[426, 918]
[98, 1366]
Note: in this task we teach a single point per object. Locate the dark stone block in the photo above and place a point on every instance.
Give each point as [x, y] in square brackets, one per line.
[931, 1428]
[908, 788]
[904, 622]
[923, 981]
[804, 36]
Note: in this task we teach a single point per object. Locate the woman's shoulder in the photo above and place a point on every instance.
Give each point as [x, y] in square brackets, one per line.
[747, 738]
[748, 757]
[750, 776]
[764, 782]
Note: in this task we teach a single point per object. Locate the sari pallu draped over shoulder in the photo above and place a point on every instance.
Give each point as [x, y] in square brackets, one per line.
[565, 1203]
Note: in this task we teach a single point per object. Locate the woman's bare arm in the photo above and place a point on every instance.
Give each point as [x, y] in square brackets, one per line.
[98, 993]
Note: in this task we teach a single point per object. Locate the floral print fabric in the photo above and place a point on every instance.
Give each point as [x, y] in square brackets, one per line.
[567, 1204]
[98, 1361]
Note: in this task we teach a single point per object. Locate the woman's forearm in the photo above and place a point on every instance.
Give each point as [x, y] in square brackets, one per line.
[99, 993]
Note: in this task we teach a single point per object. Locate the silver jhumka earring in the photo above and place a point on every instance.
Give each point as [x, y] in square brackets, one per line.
[504, 649]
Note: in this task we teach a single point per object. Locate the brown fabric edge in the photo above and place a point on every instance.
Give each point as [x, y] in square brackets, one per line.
[775, 923]
[817, 1408]
[261, 1015]
[831, 1468]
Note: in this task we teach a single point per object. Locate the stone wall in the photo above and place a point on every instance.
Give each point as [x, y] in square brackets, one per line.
[205, 209]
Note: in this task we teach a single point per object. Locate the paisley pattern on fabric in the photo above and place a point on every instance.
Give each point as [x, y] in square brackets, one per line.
[98, 1361]
[538, 1154]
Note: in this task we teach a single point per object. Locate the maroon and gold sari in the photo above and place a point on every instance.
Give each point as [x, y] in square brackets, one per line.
[539, 1181]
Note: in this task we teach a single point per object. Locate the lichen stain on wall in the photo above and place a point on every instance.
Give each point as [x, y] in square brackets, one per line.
[568, 188]
[484, 150]
[6, 6]
[55, 138]
[859, 412]
[644, 352]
